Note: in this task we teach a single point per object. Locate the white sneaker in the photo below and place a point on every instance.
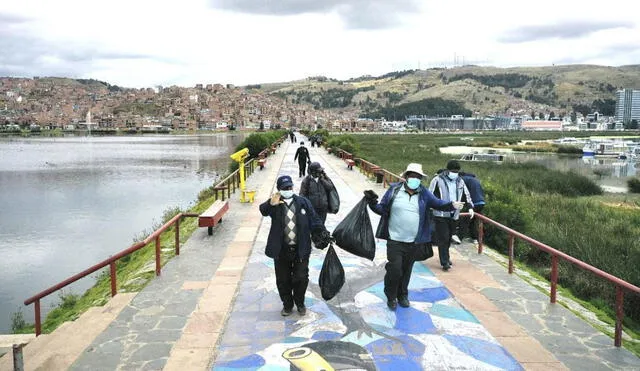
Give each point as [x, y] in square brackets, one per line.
[456, 239]
[475, 242]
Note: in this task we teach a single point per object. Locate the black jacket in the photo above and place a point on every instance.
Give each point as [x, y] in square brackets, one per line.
[307, 221]
[302, 154]
[316, 192]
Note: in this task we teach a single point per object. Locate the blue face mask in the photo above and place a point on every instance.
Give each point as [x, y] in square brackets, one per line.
[413, 183]
[453, 176]
[286, 194]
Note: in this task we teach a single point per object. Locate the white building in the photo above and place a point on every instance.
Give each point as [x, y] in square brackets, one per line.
[628, 105]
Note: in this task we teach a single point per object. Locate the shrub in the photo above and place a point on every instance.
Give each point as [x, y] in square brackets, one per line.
[634, 185]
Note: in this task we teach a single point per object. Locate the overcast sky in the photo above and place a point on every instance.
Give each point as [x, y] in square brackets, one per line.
[142, 43]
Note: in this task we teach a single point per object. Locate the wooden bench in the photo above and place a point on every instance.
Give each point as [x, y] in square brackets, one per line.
[350, 163]
[262, 162]
[213, 215]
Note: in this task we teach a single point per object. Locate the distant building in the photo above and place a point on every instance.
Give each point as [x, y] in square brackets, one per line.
[628, 105]
[541, 125]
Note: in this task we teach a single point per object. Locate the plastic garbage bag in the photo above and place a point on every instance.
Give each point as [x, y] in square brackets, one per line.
[332, 275]
[423, 251]
[334, 201]
[355, 234]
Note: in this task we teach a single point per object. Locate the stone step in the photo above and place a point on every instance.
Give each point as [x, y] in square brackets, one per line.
[58, 350]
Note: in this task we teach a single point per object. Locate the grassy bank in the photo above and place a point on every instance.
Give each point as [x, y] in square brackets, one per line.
[564, 210]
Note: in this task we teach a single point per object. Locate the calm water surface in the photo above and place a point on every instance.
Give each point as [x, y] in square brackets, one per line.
[68, 203]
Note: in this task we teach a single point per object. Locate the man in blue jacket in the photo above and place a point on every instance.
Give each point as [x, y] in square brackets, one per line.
[294, 223]
[405, 224]
[477, 195]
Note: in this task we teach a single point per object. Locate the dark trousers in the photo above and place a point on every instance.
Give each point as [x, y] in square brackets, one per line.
[399, 266]
[292, 277]
[303, 167]
[469, 227]
[445, 228]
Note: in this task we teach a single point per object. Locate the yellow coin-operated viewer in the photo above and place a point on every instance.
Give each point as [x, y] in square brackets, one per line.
[239, 157]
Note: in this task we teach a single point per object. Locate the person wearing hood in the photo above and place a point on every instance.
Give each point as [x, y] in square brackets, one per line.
[294, 224]
[448, 186]
[316, 187]
[302, 155]
[405, 213]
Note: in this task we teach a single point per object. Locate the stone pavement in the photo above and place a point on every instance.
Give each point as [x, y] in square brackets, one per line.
[216, 307]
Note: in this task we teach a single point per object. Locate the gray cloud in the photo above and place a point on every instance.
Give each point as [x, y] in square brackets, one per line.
[23, 55]
[8, 19]
[565, 30]
[357, 14]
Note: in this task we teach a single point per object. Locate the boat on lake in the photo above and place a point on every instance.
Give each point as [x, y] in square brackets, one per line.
[486, 157]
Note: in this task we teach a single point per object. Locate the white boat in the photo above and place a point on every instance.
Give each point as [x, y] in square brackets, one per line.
[605, 148]
[491, 157]
[569, 141]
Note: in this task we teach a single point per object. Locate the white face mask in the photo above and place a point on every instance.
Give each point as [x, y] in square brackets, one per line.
[453, 176]
[287, 193]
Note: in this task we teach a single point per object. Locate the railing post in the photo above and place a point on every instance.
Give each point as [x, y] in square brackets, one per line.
[36, 305]
[619, 316]
[158, 256]
[178, 235]
[511, 243]
[112, 273]
[480, 236]
[554, 278]
[18, 360]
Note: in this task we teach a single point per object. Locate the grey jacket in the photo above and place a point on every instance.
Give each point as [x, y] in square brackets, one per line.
[316, 192]
[440, 188]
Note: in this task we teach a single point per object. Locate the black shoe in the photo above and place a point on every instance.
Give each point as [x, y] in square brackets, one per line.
[392, 304]
[302, 310]
[446, 267]
[404, 302]
[286, 311]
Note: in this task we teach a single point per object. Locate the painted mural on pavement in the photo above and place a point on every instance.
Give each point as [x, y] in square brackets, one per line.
[355, 330]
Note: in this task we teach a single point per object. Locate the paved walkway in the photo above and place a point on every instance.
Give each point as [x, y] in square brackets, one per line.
[215, 307]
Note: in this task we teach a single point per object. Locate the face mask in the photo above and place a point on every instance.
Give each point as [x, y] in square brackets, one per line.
[413, 183]
[286, 194]
[453, 176]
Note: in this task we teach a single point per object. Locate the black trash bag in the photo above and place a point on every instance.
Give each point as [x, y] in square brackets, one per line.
[423, 251]
[355, 234]
[334, 201]
[332, 275]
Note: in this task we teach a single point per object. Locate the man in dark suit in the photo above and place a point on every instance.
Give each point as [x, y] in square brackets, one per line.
[294, 223]
[302, 155]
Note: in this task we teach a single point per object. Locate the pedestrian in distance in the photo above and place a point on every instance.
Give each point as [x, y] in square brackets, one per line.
[302, 155]
[292, 136]
[294, 224]
[448, 186]
[316, 187]
[405, 222]
[468, 225]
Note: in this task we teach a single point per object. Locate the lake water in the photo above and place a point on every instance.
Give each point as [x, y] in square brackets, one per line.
[67, 203]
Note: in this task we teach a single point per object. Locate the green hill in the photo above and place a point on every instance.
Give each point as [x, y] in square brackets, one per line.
[479, 90]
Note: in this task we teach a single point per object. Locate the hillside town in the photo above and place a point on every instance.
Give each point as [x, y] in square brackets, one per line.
[69, 105]
[77, 104]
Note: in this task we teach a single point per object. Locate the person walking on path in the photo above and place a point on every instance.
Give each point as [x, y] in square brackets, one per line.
[467, 224]
[292, 136]
[405, 224]
[302, 155]
[294, 223]
[316, 187]
[448, 186]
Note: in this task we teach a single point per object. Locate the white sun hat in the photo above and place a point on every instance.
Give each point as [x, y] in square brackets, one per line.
[414, 168]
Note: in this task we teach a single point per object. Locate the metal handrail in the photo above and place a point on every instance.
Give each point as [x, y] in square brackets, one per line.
[620, 284]
[111, 262]
[230, 181]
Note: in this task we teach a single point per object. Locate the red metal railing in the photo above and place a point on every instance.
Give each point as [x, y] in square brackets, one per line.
[228, 184]
[620, 285]
[111, 262]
